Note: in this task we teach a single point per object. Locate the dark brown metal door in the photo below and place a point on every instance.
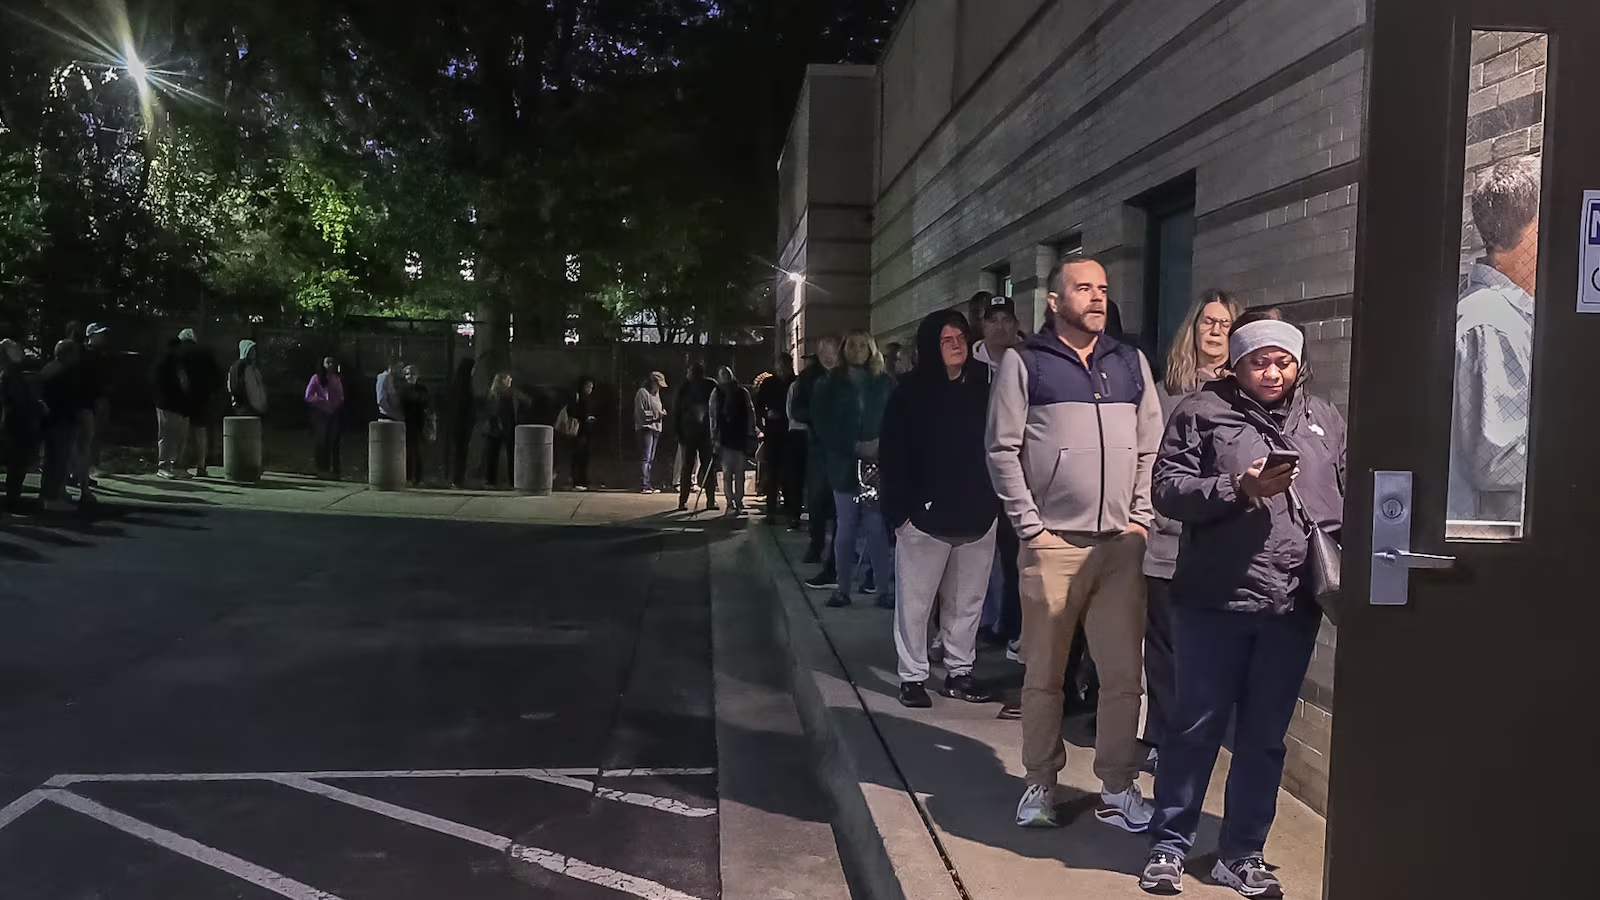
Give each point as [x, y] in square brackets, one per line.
[1464, 725]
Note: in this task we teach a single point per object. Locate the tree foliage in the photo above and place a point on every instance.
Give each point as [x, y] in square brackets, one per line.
[577, 163]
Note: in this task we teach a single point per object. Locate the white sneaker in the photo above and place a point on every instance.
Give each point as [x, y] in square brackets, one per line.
[1128, 810]
[166, 473]
[1037, 808]
[1014, 651]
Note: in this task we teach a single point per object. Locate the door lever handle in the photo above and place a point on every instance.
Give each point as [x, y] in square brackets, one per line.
[1408, 560]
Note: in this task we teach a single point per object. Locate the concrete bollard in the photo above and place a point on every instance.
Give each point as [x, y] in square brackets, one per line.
[241, 449]
[386, 455]
[535, 468]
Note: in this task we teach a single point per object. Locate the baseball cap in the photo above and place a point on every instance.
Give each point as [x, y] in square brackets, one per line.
[94, 329]
[996, 304]
[660, 378]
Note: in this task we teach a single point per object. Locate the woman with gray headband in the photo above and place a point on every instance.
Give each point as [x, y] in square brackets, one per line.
[1245, 615]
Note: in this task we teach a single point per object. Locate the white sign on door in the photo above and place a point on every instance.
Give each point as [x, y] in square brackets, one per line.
[1589, 255]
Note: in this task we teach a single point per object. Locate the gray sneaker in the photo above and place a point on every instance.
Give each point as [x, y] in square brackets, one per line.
[1249, 876]
[1163, 874]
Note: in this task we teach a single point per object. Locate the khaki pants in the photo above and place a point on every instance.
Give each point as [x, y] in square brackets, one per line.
[1099, 582]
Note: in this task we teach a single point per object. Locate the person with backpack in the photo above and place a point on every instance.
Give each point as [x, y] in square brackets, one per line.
[692, 421]
[246, 387]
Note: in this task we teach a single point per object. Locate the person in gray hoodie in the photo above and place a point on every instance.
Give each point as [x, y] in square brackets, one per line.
[245, 385]
[1245, 614]
[1074, 424]
[1199, 356]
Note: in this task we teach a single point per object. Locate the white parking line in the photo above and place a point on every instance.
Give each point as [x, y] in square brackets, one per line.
[18, 807]
[555, 862]
[282, 885]
[577, 779]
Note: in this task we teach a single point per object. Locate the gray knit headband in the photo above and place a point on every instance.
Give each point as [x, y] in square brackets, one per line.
[1265, 333]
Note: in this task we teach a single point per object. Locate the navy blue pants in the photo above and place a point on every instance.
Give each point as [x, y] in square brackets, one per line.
[1251, 664]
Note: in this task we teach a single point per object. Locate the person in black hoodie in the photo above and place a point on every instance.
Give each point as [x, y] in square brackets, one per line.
[23, 415]
[172, 405]
[691, 411]
[938, 499]
[463, 416]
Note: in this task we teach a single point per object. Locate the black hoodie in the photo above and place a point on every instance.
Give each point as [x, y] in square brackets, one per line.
[931, 448]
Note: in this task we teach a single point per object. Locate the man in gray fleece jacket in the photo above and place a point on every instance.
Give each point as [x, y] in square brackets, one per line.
[1074, 425]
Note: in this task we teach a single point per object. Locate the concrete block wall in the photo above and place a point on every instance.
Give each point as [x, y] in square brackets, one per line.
[1091, 104]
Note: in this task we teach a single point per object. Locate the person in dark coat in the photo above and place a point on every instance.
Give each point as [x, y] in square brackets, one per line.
[501, 415]
[1245, 615]
[463, 418]
[204, 377]
[23, 417]
[938, 500]
[847, 413]
[691, 412]
[581, 409]
[416, 405]
[733, 429]
[819, 497]
[772, 412]
[61, 385]
[172, 405]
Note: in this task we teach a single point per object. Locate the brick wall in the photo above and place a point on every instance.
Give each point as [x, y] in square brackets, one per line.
[1505, 113]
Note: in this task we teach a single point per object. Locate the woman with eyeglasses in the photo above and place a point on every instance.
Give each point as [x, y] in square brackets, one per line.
[1199, 355]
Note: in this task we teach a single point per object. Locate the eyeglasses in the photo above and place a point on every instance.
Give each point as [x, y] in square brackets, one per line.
[1207, 323]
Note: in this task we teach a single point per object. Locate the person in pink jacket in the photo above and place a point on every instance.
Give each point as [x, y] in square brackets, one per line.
[325, 396]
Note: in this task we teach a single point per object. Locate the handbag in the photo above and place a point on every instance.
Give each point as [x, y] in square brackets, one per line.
[1322, 550]
[566, 426]
[1327, 561]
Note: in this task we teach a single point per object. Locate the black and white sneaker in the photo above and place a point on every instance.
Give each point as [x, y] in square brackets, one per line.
[965, 688]
[1163, 874]
[914, 695]
[1249, 876]
[823, 581]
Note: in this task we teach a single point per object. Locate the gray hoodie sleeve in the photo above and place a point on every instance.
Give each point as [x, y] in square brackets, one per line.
[1150, 426]
[1007, 425]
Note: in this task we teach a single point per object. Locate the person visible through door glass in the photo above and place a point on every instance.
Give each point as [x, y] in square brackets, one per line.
[938, 500]
[1494, 350]
[1199, 356]
[691, 411]
[1074, 424]
[1245, 619]
[847, 412]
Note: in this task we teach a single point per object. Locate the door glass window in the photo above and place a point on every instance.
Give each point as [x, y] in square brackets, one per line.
[1498, 287]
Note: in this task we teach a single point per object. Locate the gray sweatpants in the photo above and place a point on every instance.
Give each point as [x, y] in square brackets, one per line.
[956, 575]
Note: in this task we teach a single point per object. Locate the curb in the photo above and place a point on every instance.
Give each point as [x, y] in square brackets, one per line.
[886, 845]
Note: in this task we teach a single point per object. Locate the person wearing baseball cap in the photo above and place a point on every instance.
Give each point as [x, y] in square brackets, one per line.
[997, 317]
[1244, 605]
[648, 416]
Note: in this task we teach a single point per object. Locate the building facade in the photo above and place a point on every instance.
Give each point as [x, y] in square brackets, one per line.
[1189, 144]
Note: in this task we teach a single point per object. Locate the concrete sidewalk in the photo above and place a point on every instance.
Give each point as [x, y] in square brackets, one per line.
[926, 797]
[299, 493]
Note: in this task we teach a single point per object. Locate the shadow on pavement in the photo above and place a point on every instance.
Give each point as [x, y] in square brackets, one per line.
[19, 553]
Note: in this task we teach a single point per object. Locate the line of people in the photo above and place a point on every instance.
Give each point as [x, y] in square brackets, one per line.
[54, 414]
[1169, 521]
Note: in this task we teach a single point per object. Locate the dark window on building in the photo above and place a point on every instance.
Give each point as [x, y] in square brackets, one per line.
[998, 280]
[1169, 262]
[1068, 246]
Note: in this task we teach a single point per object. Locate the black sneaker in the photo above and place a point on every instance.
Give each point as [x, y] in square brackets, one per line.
[1249, 876]
[1163, 874]
[914, 695]
[965, 688]
[683, 507]
[869, 585]
[823, 581]
[712, 506]
[838, 598]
